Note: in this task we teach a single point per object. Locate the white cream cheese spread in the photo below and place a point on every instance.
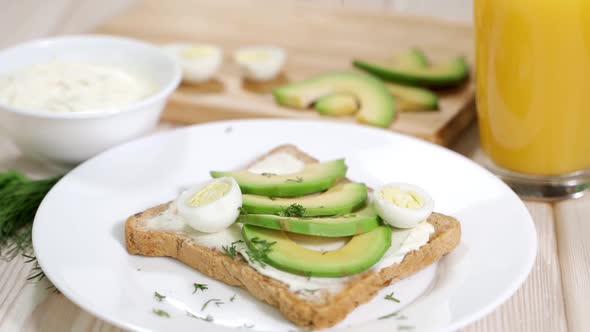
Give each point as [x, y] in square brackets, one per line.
[72, 87]
[403, 241]
[279, 163]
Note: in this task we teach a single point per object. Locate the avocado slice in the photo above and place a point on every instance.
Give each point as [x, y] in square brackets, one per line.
[358, 222]
[342, 198]
[445, 74]
[412, 58]
[337, 104]
[410, 98]
[376, 103]
[313, 178]
[359, 254]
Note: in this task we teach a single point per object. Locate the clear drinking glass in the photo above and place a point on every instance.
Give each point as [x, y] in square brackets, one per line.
[533, 93]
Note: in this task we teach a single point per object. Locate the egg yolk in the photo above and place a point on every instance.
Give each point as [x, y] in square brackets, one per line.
[253, 56]
[211, 192]
[196, 52]
[401, 198]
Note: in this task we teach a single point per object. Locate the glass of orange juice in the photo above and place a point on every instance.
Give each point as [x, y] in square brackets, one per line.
[533, 93]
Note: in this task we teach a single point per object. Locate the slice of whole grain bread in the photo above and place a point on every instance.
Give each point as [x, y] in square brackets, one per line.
[325, 311]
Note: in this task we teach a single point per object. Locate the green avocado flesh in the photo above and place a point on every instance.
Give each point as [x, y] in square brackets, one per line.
[359, 254]
[411, 98]
[358, 222]
[376, 105]
[444, 74]
[340, 199]
[337, 104]
[313, 178]
[412, 58]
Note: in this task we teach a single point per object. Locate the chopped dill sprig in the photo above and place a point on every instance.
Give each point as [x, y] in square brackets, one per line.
[293, 210]
[217, 302]
[258, 250]
[393, 314]
[391, 298]
[201, 287]
[207, 318]
[161, 313]
[159, 297]
[231, 250]
[296, 180]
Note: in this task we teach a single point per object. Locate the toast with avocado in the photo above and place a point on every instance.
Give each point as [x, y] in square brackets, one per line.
[270, 227]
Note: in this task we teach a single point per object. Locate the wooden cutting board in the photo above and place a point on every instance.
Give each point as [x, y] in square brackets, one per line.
[318, 39]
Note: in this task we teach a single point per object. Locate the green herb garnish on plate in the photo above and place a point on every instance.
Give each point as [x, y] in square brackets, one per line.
[201, 287]
[159, 297]
[161, 313]
[391, 298]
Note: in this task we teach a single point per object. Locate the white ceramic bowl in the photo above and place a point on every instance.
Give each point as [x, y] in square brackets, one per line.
[69, 138]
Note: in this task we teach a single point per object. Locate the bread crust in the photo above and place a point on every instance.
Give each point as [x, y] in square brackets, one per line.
[318, 312]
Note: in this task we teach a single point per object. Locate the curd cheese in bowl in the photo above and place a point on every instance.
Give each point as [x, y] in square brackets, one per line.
[199, 62]
[402, 205]
[66, 99]
[260, 63]
[211, 206]
[60, 86]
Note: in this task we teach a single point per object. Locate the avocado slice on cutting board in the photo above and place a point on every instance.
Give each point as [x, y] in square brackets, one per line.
[360, 253]
[407, 99]
[342, 198]
[358, 222]
[376, 105]
[337, 104]
[412, 58]
[315, 177]
[410, 98]
[444, 74]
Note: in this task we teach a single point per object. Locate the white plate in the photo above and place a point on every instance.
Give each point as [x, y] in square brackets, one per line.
[78, 233]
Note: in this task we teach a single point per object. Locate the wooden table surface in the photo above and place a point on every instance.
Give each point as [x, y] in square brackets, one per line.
[556, 296]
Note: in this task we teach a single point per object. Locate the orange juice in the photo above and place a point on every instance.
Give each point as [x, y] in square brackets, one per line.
[533, 84]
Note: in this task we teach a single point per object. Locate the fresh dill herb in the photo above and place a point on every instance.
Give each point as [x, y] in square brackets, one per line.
[293, 210]
[393, 314]
[268, 175]
[36, 274]
[201, 287]
[391, 298]
[159, 297]
[207, 318]
[242, 210]
[231, 299]
[405, 328]
[258, 250]
[19, 198]
[231, 250]
[217, 302]
[161, 313]
[296, 180]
